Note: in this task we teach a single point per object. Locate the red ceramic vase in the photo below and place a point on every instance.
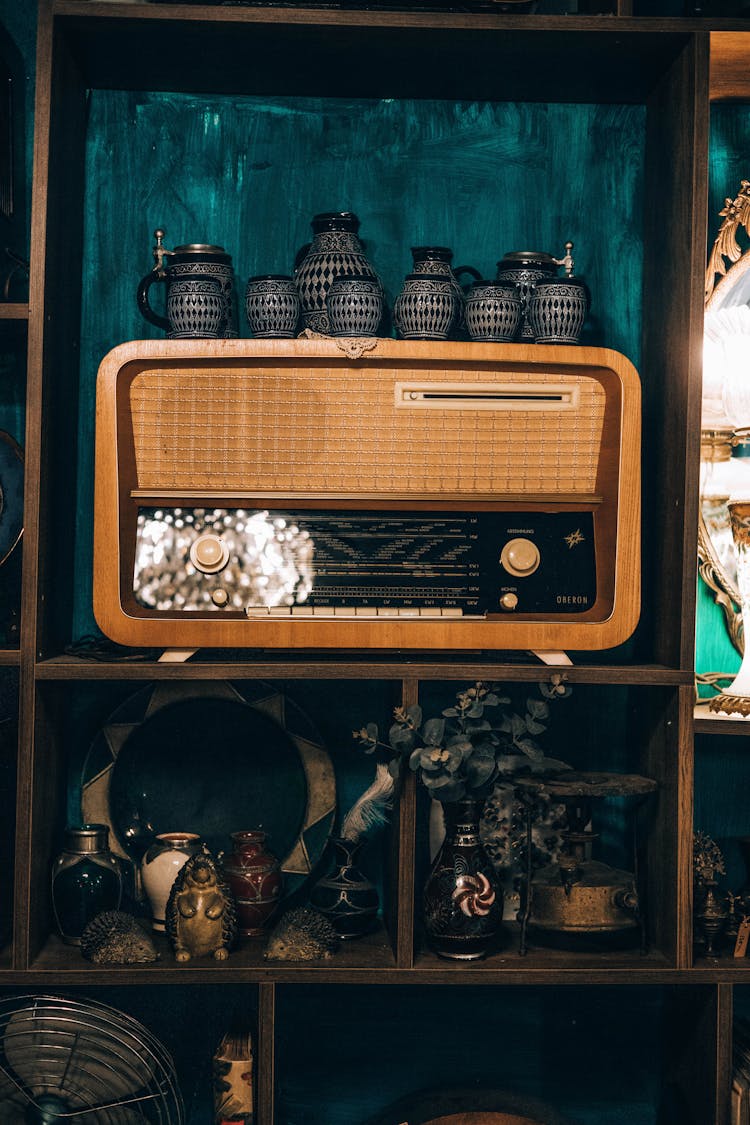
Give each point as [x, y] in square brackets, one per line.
[255, 880]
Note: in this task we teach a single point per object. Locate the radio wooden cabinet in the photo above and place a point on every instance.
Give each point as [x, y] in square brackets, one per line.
[478, 129]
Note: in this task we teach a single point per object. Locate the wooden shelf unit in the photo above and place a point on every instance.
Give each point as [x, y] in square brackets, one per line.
[659, 63]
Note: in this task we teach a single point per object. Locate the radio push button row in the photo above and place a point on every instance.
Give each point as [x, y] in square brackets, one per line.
[209, 553]
[509, 600]
[520, 557]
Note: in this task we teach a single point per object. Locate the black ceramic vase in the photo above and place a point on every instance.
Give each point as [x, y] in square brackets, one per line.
[463, 901]
[346, 897]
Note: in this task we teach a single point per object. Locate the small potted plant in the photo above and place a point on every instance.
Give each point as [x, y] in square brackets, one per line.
[460, 756]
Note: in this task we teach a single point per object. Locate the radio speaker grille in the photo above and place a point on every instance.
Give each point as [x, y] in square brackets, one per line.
[338, 429]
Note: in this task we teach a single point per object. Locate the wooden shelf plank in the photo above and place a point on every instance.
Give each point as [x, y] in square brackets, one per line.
[354, 667]
[711, 722]
[10, 657]
[366, 960]
[13, 310]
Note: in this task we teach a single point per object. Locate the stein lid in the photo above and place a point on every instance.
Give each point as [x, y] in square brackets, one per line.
[201, 249]
[335, 220]
[537, 258]
[439, 253]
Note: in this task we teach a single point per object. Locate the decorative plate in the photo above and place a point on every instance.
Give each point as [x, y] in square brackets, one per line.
[11, 494]
[212, 758]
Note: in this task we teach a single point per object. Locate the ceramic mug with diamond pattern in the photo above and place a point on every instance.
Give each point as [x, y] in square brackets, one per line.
[493, 311]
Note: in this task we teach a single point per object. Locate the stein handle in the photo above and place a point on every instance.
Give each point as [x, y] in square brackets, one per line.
[142, 297]
[158, 273]
[467, 269]
[300, 255]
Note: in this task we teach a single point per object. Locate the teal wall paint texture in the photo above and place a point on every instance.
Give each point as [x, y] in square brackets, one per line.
[249, 174]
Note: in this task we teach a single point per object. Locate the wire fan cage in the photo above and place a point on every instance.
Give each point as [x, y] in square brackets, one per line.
[81, 1061]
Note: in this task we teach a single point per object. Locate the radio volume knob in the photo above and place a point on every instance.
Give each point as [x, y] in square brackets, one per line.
[509, 600]
[520, 557]
[209, 553]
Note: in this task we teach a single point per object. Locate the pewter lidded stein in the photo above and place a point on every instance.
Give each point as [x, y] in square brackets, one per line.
[334, 250]
[556, 307]
[193, 262]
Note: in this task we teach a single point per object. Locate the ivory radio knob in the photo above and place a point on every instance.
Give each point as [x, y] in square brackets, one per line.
[520, 557]
[209, 553]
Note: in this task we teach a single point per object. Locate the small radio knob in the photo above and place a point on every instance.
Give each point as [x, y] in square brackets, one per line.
[509, 600]
[219, 597]
[209, 553]
[520, 557]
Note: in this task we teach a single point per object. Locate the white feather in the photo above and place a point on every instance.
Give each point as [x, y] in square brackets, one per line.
[372, 808]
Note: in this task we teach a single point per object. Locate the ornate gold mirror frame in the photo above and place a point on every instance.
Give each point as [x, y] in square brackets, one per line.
[719, 436]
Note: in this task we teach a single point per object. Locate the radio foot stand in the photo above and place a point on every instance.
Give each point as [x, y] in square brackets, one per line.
[176, 655]
[551, 657]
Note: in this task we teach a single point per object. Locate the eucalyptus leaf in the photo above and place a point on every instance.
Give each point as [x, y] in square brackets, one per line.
[517, 727]
[530, 748]
[460, 743]
[479, 770]
[510, 764]
[400, 737]
[539, 708]
[415, 759]
[433, 732]
[533, 727]
[446, 789]
[450, 713]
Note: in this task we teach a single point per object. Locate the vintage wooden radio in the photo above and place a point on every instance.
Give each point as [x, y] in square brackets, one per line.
[425, 496]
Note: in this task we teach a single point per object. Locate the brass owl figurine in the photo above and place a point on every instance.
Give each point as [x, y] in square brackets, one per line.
[201, 917]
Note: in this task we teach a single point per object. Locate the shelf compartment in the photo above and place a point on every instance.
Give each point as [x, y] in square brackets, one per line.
[365, 54]
[656, 155]
[478, 1038]
[87, 730]
[606, 728]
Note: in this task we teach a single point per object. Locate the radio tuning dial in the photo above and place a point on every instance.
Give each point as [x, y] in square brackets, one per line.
[520, 557]
[209, 553]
